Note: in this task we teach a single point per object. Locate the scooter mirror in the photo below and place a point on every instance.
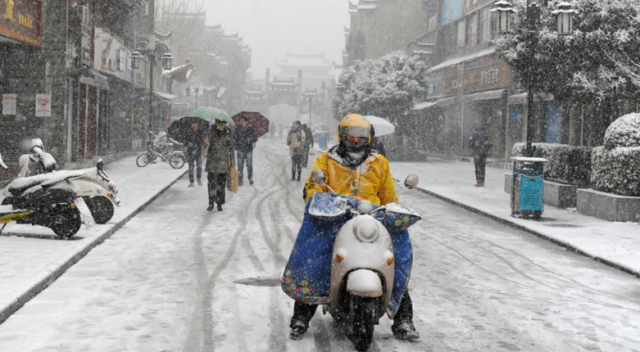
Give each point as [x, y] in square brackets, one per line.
[318, 176]
[100, 164]
[2, 165]
[411, 181]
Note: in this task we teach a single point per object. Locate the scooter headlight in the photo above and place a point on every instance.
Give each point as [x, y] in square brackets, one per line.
[366, 230]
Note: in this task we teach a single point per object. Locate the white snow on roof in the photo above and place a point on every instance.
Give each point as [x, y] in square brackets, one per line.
[462, 59]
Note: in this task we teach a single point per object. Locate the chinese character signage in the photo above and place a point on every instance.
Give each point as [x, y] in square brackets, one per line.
[43, 105]
[9, 104]
[21, 20]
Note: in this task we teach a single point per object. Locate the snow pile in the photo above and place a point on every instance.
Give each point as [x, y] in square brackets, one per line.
[616, 165]
[565, 163]
[624, 132]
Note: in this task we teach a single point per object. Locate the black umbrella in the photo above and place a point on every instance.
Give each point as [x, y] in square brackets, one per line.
[181, 129]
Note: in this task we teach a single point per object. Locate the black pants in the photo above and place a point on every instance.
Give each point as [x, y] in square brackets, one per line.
[302, 313]
[296, 166]
[480, 163]
[305, 156]
[217, 184]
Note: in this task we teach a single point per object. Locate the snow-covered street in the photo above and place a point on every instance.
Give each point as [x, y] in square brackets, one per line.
[178, 278]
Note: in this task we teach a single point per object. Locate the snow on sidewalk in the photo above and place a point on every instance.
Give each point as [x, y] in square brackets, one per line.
[29, 263]
[614, 243]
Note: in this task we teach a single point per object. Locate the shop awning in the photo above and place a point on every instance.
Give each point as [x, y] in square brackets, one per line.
[488, 95]
[517, 99]
[424, 105]
[446, 101]
[165, 96]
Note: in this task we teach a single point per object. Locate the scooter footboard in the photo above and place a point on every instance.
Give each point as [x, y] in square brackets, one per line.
[364, 283]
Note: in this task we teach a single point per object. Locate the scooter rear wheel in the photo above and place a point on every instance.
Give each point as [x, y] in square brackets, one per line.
[364, 313]
[101, 208]
[67, 224]
[143, 159]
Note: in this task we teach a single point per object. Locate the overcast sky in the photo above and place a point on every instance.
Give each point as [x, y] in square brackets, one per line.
[273, 27]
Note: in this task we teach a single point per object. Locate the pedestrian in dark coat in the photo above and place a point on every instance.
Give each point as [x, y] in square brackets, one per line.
[480, 143]
[376, 143]
[246, 138]
[295, 141]
[195, 141]
[220, 159]
[308, 144]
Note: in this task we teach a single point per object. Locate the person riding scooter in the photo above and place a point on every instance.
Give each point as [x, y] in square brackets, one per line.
[353, 170]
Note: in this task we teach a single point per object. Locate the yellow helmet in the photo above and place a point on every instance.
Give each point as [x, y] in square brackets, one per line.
[354, 125]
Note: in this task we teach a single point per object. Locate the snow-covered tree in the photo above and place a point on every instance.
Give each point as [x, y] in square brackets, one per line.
[599, 62]
[383, 87]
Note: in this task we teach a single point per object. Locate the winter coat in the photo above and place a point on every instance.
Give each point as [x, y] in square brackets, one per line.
[308, 142]
[221, 151]
[295, 141]
[480, 143]
[242, 133]
[370, 181]
[197, 142]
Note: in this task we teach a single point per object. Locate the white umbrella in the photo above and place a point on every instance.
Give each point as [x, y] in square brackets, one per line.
[383, 127]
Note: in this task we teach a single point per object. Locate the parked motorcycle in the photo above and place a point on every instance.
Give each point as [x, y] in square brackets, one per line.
[363, 263]
[48, 200]
[96, 188]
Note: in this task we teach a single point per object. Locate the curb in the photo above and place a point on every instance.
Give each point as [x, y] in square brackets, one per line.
[541, 235]
[51, 277]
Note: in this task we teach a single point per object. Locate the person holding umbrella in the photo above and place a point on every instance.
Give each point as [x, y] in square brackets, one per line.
[220, 159]
[195, 140]
[245, 140]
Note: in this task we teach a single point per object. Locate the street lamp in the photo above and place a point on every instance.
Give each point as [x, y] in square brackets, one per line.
[503, 11]
[309, 95]
[197, 90]
[137, 57]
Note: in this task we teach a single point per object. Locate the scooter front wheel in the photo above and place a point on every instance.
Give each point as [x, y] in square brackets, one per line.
[101, 208]
[365, 317]
[67, 224]
[143, 159]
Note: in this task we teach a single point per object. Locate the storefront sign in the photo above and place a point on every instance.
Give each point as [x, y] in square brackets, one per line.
[21, 20]
[9, 104]
[43, 105]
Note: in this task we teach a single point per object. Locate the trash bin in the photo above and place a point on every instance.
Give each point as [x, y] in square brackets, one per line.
[528, 187]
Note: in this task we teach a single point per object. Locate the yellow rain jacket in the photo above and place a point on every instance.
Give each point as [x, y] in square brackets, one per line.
[370, 181]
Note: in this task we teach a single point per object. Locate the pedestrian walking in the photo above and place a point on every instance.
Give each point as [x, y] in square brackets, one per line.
[220, 159]
[245, 140]
[295, 141]
[272, 130]
[280, 130]
[308, 144]
[376, 144]
[480, 143]
[195, 141]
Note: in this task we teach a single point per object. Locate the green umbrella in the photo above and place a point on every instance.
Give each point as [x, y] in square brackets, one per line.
[211, 114]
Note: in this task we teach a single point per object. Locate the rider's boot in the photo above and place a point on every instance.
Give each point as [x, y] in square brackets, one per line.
[403, 327]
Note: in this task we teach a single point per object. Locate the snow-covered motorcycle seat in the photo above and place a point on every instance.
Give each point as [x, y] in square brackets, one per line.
[19, 185]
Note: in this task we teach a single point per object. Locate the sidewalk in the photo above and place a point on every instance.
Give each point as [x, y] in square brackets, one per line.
[32, 257]
[613, 243]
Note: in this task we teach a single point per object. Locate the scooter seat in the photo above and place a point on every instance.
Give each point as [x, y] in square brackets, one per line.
[20, 185]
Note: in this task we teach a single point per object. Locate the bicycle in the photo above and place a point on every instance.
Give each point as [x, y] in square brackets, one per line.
[162, 147]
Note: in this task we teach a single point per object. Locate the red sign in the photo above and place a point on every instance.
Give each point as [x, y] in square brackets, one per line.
[21, 20]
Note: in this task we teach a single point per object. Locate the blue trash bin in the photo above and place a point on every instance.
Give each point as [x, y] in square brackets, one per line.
[527, 191]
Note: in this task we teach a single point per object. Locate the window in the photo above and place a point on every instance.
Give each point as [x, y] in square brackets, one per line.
[462, 33]
[473, 29]
[485, 25]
